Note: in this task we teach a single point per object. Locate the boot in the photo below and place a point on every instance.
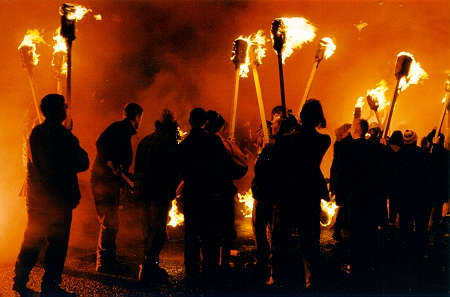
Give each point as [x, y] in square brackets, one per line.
[150, 271]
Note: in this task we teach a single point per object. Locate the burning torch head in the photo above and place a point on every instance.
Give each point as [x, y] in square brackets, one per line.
[402, 67]
[373, 102]
[278, 35]
[239, 52]
[26, 54]
[67, 24]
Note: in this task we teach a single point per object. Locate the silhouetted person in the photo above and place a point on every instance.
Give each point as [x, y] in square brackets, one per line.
[52, 194]
[234, 163]
[393, 164]
[265, 189]
[109, 173]
[440, 175]
[339, 183]
[416, 203]
[157, 177]
[302, 187]
[363, 169]
[207, 172]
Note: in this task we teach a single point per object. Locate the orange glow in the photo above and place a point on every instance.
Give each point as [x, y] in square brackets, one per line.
[181, 135]
[98, 17]
[246, 200]
[176, 218]
[330, 209]
[59, 47]
[31, 38]
[415, 75]
[298, 32]
[78, 12]
[359, 102]
[255, 51]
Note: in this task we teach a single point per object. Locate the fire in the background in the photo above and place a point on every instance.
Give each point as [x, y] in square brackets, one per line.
[59, 53]
[256, 51]
[31, 38]
[415, 75]
[246, 201]
[329, 47]
[329, 208]
[176, 217]
[298, 31]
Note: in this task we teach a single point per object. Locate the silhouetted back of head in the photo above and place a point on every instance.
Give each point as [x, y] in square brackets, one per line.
[396, 138]
[277, 110]
[312, 114]
[132, 110]
[166, 123]
[215, 122]
[53, 107]
[364, 127]
[197, 117]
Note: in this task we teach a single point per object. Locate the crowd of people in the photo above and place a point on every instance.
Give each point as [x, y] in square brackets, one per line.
[367, 172]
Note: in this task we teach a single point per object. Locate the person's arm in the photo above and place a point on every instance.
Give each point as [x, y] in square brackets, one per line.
[81, 156]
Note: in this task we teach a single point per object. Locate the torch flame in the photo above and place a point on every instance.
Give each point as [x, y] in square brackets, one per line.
[359, 102]
[378, 93]
[31, 38]
[181, 135]
[328, 207]
[246, 199]
[78, 12]
[98, 17]
[176, 218]
[416, 73]
[255, 51]
[329, 45]
[298, 31]
[60, 47]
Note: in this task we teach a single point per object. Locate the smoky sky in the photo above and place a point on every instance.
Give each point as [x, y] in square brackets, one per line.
[188, 31]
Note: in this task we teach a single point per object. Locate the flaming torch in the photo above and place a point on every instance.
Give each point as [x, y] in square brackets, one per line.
[445, 106]
[325, 50]
[377, 100]
[238, 57]
[30, 59]
[59, 63]
[288, 34]
[407, 72]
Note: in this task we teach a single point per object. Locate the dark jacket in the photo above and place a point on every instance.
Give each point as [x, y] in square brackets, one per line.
[56, 158]
[339, 183]
[157, 167]
[440, 173]
[265, 184]
[303, 151]
[114, 144]
[206, 168]
[415, 178]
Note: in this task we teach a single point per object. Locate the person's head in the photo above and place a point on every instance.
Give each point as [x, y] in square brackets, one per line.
[374, 130]
[396, 140]
[409, 137]
[312, 114]
[167, 123]
[133, 112]
[359, 128]
[197, 117]
[430, 137]
[277, 111]
[215, 122]
[53, 107]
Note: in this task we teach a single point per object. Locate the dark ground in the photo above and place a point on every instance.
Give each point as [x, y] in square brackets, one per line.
[80, 275]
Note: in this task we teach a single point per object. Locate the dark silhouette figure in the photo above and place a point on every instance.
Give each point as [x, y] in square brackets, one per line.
[157, 177]
[207, 171]
[52, 194]
[394, 173]
[416, 203]
[300, 193]
[109, 175]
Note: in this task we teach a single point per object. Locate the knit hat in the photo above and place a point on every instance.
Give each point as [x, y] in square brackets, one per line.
[409, 137]
[396, 138]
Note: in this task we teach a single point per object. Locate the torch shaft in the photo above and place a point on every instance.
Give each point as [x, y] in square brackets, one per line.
[441, 119]
[308, 85]
[69, 78]
[283, 96]
[58, 85]
[235, 102]
[391, 110]
[33, 94]
[260, 103]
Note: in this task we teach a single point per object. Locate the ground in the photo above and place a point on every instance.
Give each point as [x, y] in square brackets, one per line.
[80, 276]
